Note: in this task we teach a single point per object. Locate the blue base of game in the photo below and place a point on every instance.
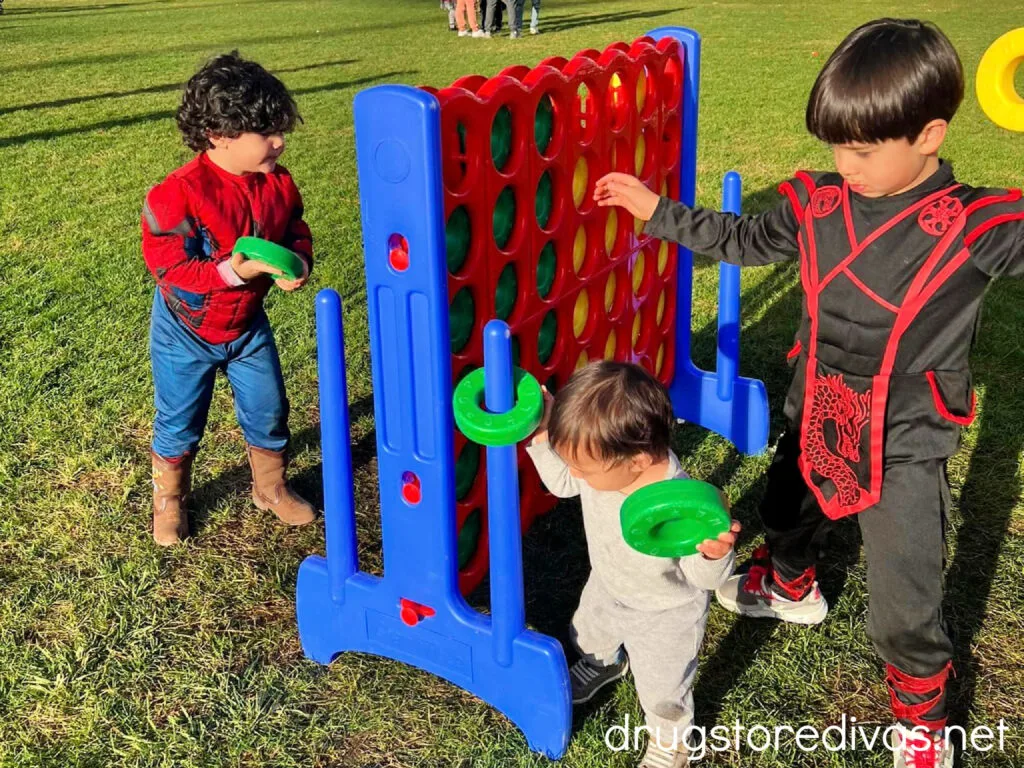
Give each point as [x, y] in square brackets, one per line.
[456, 643]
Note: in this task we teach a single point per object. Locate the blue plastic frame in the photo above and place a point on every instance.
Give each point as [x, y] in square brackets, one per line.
[415, 613]
[721, 401]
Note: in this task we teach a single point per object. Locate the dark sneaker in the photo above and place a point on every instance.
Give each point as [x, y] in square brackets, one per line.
[587, 679]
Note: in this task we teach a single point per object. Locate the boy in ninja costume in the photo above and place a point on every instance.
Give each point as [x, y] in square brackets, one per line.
[895, 256]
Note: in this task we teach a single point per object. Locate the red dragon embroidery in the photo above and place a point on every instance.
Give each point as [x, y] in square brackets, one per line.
[835, 401]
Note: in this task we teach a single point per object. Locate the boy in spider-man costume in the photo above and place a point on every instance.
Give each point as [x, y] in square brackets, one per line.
[895, 256]
[208, 306]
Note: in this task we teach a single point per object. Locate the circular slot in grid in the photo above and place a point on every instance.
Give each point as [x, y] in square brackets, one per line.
[672, 82]
[620, 156]
[466, 467]
[544, 126]
[583, 184]
[457, 233]
[585, 120]
[637, 272]
[617, 103]
[504, 217]
[645, 152]
[646, 93]
[659, 359]
[582, 361]
[581, 314]
[455, 166]
[544, 200]
[505, 292]
[579, 249]
[663, 257]
[461, 319]
[469, 538]
[610, 345]
[547, 336]
[547, 264]
[501, 138]
[671, 143]
[611, 232]
[610, 294]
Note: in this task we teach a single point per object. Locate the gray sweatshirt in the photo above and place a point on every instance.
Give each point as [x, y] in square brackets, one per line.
[640, 581]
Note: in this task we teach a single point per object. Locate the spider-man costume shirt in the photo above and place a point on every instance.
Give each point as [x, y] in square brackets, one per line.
[190, 223]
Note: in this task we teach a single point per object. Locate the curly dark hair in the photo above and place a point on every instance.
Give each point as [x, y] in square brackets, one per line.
[230, 96]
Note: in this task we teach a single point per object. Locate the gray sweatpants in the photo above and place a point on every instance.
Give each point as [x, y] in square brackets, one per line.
[662, 647]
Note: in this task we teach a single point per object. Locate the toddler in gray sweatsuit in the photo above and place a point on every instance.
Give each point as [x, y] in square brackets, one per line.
[605, 435]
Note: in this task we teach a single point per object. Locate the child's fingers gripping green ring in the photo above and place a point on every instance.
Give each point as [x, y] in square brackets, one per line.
[289, 262]
[670, 518]
[495, 429]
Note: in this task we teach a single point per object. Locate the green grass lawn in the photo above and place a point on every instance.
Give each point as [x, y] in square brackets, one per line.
[113, 652]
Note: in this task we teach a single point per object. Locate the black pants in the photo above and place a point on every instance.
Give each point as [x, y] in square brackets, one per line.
[904, 546]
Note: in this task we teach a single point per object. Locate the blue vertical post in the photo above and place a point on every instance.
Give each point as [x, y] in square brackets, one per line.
[729, 300]
[339, 501]
[689, 40]
[508, 612]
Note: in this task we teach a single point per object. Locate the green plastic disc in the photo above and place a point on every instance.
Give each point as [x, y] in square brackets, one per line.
[515, 350]
[469, 537]
[456, 238]
[504, 216]
[460, 319]
[546, 337]
[466, 467]
[501, 137]
[546, 263]
[493, 429]
[505, 293]
[543, 124]
[275, 255]
[542, 202]
[670, 518]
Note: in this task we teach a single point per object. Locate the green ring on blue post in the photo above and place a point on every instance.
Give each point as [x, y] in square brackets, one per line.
[273, 254]
[494, 429]
[671, 517]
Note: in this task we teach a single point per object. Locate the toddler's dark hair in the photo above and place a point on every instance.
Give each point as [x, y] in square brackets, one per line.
[230, 96]
[887, 80]
[614, 411]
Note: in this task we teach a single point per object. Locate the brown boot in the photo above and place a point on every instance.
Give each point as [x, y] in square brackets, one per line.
[270, 488]
[172, 482]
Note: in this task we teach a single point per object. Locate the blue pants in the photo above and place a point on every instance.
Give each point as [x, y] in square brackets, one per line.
[184, 370]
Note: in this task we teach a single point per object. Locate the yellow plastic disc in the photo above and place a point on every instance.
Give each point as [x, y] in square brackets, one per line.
[609, 293]
[994, 82]
[641, 153]
[638, 226]
[609, 346]
[579, 249]
[638, 273]
[660, 314]
[581, 314]
[611, 229]
[579, 182]
[641, 90]
[662, 257]
[582, 360]
[636, 330]
[660, 359]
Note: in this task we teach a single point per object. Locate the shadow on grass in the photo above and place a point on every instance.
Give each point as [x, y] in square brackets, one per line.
[163, 88]
[150, 117]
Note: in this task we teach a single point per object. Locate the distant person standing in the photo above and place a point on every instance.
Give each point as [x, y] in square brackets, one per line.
[517, 17]
[492, 16]
[449, 5]
[465, 11]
